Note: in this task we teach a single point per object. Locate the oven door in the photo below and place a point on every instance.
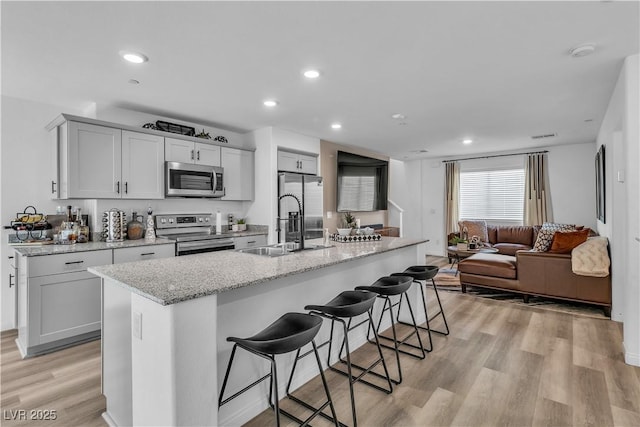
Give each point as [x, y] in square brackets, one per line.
[201, 246]
[189, 180]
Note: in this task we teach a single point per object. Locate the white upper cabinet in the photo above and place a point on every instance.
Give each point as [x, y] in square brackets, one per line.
[142, 166]
[289, 161]
[90, 161]
[238, 174]
[101, 162]
[179, 150]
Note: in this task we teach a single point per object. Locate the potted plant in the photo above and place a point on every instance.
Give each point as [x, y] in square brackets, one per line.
[460, 243]
[349, 220]
[240, 225]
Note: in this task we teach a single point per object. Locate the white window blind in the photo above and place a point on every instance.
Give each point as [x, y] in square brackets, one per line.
[492, 195]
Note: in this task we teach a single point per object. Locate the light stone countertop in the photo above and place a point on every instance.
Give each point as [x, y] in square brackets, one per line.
[39, 250]
[169, 281]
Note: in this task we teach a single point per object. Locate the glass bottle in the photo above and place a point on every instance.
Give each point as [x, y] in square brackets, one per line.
[83, 229]
[135, 229]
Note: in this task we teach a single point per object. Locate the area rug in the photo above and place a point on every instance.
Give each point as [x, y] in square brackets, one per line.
[448, 280]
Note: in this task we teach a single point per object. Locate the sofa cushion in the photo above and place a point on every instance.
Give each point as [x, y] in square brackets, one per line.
[510, 248]
[515, 234]
[493, 265]
[564, 241]
[492, 231]
[475, 228]
[545, 235]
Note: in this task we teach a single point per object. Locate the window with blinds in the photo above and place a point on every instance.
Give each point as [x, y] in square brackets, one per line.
[493, 195]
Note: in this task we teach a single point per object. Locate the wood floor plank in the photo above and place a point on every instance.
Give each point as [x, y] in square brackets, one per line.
[590, 399]
[440, 409]
[479, 407]
[625, 418]
[550, 413]
[556, 381]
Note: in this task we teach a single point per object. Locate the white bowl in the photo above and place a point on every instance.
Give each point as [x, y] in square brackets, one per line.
[368, 231]
[344, 231]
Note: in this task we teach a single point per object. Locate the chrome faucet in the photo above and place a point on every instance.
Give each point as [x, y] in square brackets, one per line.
[300, 217]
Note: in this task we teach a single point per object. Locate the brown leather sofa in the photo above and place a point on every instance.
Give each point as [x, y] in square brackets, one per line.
[535, 273]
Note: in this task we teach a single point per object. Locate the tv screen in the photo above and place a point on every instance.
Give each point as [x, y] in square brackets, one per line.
[362, 183]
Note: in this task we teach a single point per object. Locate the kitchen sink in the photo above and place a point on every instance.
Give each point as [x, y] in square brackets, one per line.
[270, 251]
[279, 249]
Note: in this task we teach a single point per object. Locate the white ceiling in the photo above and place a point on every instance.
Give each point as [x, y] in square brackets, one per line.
[497, 72]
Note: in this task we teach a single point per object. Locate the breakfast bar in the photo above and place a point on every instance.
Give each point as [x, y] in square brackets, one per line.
[165, 324]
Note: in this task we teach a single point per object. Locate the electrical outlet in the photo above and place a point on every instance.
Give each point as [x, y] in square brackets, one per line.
[136, 324]
[329, 214]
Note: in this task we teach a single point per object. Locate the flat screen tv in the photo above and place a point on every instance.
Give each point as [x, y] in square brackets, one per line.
[362, 183]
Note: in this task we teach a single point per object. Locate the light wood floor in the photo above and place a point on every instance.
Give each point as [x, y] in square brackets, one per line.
[502, 365]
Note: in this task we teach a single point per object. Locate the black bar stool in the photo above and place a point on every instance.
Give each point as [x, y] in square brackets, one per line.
[290, 332]
[425, 273]
[385, 287]
[348, 305]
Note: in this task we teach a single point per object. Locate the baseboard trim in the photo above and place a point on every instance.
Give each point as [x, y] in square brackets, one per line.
[631, 358]
[108, 419]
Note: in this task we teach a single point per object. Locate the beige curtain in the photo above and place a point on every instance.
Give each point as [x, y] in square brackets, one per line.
[452, 196]
[537, 202]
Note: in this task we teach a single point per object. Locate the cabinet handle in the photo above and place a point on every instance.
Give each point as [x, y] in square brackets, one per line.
[126, 187]
[147, 253]
[198, 154]
[251, 242]
[73, 262]
[118, 187]
[191, 154]
[10, 257]
[11, 276]
[298, 163]
[53, 187]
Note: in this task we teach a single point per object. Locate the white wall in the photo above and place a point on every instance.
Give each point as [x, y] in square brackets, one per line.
[619, 133]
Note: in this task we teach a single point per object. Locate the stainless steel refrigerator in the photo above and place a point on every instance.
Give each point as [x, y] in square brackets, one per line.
[308, 190]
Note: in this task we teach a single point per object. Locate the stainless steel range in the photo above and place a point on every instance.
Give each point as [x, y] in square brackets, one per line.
[192, 233]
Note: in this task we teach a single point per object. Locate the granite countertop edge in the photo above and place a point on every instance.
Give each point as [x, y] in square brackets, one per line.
[167, 299]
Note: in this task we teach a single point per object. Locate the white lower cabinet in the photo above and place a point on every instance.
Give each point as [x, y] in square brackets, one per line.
[59, 302]
[250, 241]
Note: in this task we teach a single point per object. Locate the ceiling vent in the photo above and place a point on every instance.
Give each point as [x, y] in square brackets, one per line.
[548, 135]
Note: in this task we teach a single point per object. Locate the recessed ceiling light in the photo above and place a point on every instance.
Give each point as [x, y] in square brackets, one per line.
[270, 103]
[135, 57]
[582, 50]
[336, 126]
[467, 141]
[398, 116]
[311, 74]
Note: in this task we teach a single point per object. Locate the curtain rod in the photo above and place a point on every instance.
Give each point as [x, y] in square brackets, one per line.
[495, 155]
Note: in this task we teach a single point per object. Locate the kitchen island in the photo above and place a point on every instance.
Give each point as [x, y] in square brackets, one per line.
[165, 324]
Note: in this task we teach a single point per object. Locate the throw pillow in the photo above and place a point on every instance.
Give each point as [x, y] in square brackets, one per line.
[475, 228]
[564, 241]
[545, 235]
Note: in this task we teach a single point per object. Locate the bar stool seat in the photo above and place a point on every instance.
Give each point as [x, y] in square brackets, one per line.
[385, 287]
[348, 305]
[425, 273]
[290, 332]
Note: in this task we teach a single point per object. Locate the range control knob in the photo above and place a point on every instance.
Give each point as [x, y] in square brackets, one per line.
[206, 219]
[163, 221]
[170, 220]
[200, 219]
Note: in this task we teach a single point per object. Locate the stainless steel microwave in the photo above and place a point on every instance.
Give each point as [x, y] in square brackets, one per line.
[190, 180]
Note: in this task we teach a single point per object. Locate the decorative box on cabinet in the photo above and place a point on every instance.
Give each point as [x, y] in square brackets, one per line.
[289, 161]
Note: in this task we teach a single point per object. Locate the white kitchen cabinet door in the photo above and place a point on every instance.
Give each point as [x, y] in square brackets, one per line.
[178, 150]
[92, 158]
[142, 166]
[143, 253]
[287, 161]
[250, 241]
[238, 174]
[308, 164]
[206, 154]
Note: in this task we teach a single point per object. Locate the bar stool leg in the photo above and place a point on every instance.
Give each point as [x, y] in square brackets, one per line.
[441, 312]
[226, 375]
[273, 390]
